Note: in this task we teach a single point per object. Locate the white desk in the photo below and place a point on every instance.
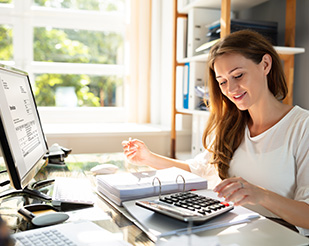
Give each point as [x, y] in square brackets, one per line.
[259, 232]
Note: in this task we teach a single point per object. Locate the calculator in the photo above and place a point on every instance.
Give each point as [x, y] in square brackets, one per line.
[187, 206]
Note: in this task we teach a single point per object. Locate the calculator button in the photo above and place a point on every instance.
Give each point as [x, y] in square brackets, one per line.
[225, 204]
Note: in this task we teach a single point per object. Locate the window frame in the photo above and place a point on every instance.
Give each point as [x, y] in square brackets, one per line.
[23, 17]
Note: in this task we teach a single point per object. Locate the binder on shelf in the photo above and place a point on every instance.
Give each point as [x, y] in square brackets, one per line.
[179, 86]
[181, 47]
[198, 19]
[122, 187]
[186, 81]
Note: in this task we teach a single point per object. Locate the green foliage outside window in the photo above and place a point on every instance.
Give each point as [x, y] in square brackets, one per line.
[77, 46]
[6, 43]
[5, 1]
[90, 90]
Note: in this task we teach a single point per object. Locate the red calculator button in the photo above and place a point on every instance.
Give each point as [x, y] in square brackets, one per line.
[225, 204]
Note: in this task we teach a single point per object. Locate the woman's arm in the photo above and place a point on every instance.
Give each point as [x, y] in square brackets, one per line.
[137, 153]
[241, 192]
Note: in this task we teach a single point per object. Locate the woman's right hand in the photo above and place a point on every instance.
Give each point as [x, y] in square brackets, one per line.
[136, 152]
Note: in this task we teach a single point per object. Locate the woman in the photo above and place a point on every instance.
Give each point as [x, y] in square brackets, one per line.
[257, 145]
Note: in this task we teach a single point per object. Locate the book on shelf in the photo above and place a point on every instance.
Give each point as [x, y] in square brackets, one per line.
[122, 187]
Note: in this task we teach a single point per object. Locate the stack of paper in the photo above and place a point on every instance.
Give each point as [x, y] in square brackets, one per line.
[122, 187]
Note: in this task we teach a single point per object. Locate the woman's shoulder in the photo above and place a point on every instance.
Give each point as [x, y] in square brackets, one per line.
[299, 119]
[298, 113]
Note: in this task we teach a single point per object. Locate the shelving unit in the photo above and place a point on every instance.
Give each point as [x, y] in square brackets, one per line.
[286, 53]
[282, 50]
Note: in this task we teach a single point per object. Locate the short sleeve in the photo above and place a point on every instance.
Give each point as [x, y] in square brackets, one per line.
[200, 166]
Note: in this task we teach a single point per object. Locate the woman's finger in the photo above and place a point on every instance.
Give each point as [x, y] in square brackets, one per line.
[124, 143]
[244, 200]
[222, 185]
[131, 154]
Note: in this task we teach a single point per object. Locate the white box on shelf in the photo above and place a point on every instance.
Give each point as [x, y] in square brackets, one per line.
[202, 125]
[198, 18]
[198, 126]
[195, 143]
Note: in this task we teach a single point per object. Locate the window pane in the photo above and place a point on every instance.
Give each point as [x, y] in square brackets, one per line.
[77, 46]
[99, 5]
[66, 90]
[6, 43]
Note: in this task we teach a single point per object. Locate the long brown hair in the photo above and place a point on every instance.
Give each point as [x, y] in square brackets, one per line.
[226, 122]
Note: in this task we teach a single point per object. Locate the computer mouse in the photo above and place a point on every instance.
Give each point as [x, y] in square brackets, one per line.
[49, 219]
[105, 168]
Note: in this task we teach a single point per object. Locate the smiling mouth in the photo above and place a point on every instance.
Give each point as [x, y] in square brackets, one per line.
[240, 96]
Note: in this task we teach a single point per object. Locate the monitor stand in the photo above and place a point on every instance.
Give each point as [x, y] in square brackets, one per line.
[29, 192]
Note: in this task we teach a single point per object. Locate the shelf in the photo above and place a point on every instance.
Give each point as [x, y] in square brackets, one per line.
[195, 112]
[198, 58]
[236, 5]
[289, 50]
[280, 49]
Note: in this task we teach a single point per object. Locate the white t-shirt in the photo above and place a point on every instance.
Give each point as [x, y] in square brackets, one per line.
[277, 160]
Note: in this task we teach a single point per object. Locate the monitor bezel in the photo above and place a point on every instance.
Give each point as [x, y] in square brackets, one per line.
[16, 181]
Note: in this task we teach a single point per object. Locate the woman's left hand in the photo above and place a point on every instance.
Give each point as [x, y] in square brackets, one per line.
[240, 192]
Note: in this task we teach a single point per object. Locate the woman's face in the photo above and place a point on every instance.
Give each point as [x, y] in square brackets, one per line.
[241, 80]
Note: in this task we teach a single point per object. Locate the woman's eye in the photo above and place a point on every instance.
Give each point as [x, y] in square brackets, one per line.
[238, 76]
[222, 83]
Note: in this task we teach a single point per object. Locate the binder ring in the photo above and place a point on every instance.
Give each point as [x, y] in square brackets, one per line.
[156, 178]
[184, 182]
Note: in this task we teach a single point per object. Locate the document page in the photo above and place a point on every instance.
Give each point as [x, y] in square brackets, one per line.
[20, 119]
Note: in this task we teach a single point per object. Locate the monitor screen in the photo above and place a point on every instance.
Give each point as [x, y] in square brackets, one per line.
[22, 139]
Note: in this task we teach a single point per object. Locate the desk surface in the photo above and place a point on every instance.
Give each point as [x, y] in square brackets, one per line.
[105, 215]
[102, 213]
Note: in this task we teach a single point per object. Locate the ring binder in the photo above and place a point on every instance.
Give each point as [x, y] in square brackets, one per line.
[184, 182]
[159, 185]
[120, 187]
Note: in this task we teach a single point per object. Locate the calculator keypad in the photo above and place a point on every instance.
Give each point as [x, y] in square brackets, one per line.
[193, 202]
[187, 206]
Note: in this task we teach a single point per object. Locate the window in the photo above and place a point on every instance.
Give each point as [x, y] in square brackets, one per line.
[74, 51]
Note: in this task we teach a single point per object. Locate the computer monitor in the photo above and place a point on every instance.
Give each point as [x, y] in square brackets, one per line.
[22, 139]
